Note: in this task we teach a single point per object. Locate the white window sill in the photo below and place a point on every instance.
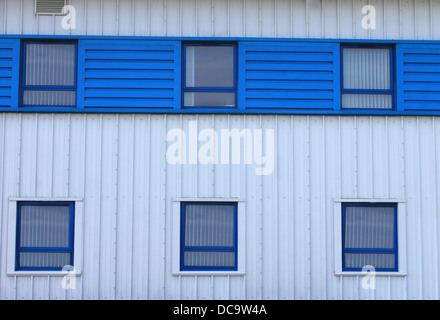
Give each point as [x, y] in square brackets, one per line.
[376, 274]
[208, 273]
[43, 274]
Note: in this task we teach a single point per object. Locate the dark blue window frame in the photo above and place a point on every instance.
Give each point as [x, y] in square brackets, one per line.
[184, 248]
[391, 91]
[68, 249]
[370, 250]
[233, 89]
[24, 87]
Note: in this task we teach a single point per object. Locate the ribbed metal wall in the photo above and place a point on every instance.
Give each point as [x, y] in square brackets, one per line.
[117, 165]
[395, 19]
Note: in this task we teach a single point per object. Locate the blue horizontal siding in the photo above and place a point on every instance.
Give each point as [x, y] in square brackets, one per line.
[129, 74]
[418, 76]
[282, 75]
[9, 72]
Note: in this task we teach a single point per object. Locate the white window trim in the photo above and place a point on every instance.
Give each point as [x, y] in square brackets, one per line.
[241, 238]
[401, 236]
[12, 231]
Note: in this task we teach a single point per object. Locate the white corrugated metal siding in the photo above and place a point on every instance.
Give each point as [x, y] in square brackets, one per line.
[395, 19]
[117, 165]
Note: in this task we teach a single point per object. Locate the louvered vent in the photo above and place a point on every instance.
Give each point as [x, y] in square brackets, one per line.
[49, 6]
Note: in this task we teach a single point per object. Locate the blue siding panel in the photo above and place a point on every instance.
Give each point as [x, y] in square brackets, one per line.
[418, 76]
[282, 75]
[126, 74]
[9, 72]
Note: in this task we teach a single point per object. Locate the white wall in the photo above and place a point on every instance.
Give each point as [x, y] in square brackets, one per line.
[117, 164]
[395, 19]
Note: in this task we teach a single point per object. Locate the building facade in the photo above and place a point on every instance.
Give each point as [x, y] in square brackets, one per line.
[311, 160]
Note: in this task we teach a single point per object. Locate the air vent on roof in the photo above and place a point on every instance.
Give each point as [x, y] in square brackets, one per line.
[49, 6]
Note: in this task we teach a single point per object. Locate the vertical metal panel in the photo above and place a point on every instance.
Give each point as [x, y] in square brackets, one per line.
[395, 19]
[117, 163]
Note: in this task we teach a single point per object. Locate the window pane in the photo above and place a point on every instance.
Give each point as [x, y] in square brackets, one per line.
[45, 259]
[50, 64]
[209, 259]
[49, 98]
[44, 226]
[209, 99]
[210, 66]
[377, 260]
[209, 225]
[369, 227]
[371, 101]
[366, 68]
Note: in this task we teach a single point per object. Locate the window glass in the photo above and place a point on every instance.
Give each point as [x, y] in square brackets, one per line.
[44, 226]
[49, 97]
[213, 99]
[50, 64]
[366, 68]
[210, 66]
[372, 101]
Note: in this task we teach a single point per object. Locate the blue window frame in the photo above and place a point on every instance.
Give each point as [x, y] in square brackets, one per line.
[367, 77]
[369, 236]
[209, 75]
[45, 235]
[49, 74]
[208, 236]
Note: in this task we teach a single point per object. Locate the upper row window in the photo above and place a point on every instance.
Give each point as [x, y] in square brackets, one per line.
[209, 75]
[49, 74]
[367, 81]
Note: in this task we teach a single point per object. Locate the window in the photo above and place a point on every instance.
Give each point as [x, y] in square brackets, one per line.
[367, 77]
[209, 75]
[44, 237]
[49, 74]
[369, 236]
[208, 236]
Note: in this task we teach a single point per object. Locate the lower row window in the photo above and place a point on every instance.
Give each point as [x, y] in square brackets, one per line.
[208, 236]
[369, 236]
[44, 235]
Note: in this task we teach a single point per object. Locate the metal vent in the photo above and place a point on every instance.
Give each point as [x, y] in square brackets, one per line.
[49, 6]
